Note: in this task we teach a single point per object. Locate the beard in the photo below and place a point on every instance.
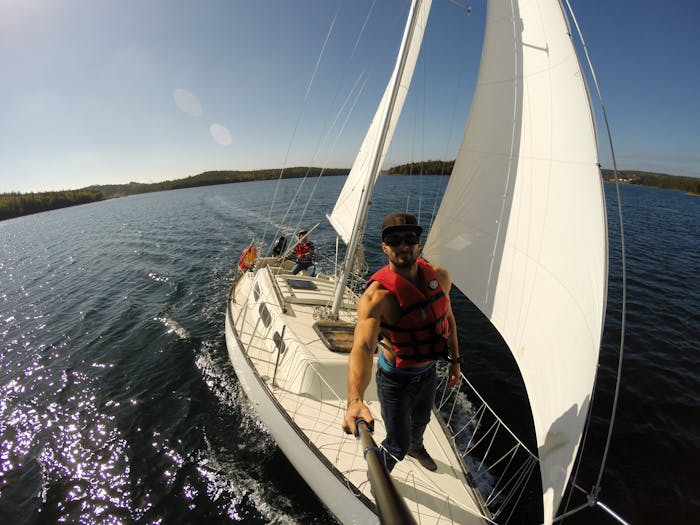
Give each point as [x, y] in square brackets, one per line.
[404, 260]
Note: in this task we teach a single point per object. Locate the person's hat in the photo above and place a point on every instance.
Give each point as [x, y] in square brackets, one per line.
[303, 232]
[400, 222]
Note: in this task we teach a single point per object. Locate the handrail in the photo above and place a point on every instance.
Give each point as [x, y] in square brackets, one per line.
[276, 290]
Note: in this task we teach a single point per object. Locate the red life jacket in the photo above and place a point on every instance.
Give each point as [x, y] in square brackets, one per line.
[422, 332]
[304, 251]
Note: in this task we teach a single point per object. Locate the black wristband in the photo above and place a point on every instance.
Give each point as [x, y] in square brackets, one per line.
[457, 359]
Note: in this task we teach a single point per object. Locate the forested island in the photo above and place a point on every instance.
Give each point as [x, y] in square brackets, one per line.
[18, 204]
[689, 185]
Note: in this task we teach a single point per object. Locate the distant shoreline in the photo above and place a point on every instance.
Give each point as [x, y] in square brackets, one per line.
[689, 185]
[19, 204]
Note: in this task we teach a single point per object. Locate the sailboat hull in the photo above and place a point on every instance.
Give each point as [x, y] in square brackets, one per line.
[330, 488]
[295, 375]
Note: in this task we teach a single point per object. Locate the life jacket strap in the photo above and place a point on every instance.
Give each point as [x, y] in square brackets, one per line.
[422, 304]
[429, 326]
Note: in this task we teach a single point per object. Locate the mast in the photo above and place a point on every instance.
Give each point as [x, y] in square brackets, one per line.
[378, 150]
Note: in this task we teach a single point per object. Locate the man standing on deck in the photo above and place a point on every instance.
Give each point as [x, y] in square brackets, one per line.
[406, 310]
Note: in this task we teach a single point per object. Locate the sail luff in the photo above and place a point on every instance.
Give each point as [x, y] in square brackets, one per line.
[522, 225]
[362, 177]
[350, 212]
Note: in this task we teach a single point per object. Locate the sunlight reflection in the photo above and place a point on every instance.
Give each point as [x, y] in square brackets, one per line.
[77, 445]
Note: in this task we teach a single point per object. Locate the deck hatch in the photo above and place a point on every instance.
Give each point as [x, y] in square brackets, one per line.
[336, 335]
[301, 284]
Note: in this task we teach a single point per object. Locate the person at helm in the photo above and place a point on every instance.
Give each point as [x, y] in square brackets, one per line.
[305, 255]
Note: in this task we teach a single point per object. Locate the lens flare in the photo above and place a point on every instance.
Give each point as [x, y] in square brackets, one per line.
[221, 134]
[187, 102]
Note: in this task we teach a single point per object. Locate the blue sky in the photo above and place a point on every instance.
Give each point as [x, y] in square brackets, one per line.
[112, 91]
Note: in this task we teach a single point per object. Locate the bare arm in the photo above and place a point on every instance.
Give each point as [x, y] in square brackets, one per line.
[455, 368]
[360, 362]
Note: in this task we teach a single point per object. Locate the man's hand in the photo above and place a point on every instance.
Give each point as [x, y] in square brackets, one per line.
[357, 409]
[454, 374]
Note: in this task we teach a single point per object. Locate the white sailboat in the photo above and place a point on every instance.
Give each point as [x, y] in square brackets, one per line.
[522, 230]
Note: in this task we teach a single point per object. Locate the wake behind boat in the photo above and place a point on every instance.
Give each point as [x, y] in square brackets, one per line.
[515, 243]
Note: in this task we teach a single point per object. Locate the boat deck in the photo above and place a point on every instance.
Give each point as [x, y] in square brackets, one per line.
[305, 369]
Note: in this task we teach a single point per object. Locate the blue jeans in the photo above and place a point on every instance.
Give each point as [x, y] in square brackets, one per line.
[308, 266]
[406, 405]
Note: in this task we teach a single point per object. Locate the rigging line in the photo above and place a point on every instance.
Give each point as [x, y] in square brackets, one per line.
[324, 139]
[362, 76]
[513, 488]
[579, 463]
[296, 125]
[586, 505]
[596, 488]
[612, 513]
[522, 492]
[420, 116]
[362, 29]
[466, 8]
[506, 486]
[323, 51]
[354, 91]
[321, 141]
[574, 475]
[378, 149]
[511, 171]
[351, 110]
[453, 115]
[485, 404]
[589, 503]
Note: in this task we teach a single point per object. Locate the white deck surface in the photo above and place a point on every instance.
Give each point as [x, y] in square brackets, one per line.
[309, 382]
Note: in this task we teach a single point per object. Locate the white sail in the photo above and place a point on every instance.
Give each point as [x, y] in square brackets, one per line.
[370, 158]
[522, 226]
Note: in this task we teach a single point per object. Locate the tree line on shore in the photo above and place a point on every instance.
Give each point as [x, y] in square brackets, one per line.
[18, 204]
[211, 178]
[657, 180]
[429, 167]
[642, 178]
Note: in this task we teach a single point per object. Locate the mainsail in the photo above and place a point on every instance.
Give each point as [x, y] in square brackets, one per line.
[522, 226]
[346, 215]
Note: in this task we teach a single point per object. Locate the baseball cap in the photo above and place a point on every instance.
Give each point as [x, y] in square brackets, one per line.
[400, 221]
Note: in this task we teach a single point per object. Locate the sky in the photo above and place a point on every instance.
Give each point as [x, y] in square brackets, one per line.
[113, 91]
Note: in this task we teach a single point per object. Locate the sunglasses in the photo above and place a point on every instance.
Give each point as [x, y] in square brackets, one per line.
[395, 239]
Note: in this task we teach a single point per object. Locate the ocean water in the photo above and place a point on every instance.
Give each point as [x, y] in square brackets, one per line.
[118, 403]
